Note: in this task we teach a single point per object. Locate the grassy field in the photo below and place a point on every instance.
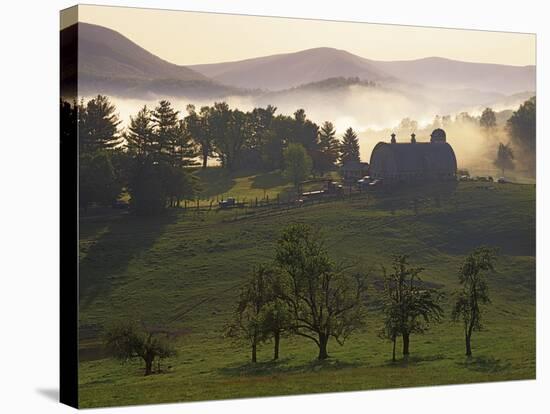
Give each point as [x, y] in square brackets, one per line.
[184, 270]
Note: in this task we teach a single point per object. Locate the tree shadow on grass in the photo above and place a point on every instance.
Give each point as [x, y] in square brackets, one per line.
[215, 181]
[107, 257]
[268, 180]
[412, 360]
[281, 367]
[488, 365]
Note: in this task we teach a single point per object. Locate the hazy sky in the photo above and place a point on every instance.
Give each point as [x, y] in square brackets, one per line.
[189, 37]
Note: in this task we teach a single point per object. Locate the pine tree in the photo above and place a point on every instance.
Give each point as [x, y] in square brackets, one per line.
[349, 148]
[98, 125]
[140, 137]
[328, 148]
[166, 123]
[184, 148]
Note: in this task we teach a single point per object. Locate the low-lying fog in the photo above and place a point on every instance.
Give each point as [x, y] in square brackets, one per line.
[376, 112]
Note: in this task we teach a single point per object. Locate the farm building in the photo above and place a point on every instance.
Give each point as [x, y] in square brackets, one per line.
[354, 170]
[414, 161]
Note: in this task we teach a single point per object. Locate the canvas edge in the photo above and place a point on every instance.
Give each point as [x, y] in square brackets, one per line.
[68, 168]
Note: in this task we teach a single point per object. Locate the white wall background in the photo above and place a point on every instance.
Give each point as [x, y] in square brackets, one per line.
[29, 206]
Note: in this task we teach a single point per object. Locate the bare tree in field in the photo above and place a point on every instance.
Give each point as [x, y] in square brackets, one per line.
[475, 292]
[324, 301]
[409, 307]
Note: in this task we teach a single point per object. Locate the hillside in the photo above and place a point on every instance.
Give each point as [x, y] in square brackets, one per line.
[184, 270]
[453, 74]
[289, 70]
[110, 63]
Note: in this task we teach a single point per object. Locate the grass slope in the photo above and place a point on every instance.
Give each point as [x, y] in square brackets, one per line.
[184, 270]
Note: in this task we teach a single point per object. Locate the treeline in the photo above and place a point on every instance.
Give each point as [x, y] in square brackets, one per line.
[154, 157]
[305, 292]
[511, 133]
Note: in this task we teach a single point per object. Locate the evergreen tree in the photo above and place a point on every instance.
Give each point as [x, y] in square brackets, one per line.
[98, 125]
[140, 138]
[328, 149]
[349, 147]
[305, 132]
[165, 121]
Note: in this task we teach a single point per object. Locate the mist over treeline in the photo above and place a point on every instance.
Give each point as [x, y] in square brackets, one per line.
[155, 154]
[375, 112]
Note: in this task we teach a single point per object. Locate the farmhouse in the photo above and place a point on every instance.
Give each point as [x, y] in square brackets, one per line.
[354, 170]
[414, 161]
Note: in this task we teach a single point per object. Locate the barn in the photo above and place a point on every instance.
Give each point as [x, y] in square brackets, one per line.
[414, 161]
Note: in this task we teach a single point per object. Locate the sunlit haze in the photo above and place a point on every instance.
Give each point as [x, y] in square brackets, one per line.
[187, 38]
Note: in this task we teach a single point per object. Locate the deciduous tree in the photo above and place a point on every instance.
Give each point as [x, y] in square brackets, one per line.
[488, 120]
[297, 164]
[324, 300]
[127, 341]
[409, 307]
[248, 324]
[474, 293]
[505, 157]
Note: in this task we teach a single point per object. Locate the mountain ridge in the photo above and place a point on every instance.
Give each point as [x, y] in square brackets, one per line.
[111, 63]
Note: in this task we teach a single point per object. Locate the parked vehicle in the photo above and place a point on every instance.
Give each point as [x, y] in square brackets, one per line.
[228, 202]
[333, 187]
[365, 180]
[376, 182]
[503, 180]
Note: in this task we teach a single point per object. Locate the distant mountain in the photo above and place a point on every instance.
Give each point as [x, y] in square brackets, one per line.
[111, 63]
[453, 74]
[290, 70]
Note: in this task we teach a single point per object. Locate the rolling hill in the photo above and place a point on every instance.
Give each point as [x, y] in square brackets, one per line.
[454, 74]
[292, 69]
[112, 64]
[108, 62]
[184, 270]
[289, 70]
